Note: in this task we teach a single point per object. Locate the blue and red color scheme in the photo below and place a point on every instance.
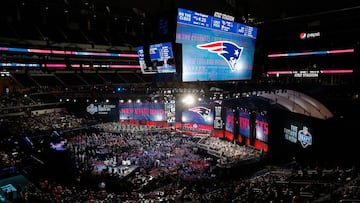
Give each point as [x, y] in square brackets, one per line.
[62, 66]
[261, 132]
[196, 32]
[289, 72]
[198, 114]
[142, 111]
[337, 51]
[229, 51]
[244, 126]
[229, 124]
[62, 52]
[302, 35]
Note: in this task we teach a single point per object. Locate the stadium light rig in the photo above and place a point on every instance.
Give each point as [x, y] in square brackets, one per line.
[188, 99]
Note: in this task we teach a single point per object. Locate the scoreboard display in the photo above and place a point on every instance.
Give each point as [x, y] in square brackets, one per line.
[214, 49]
[212, 22]
[161, 58]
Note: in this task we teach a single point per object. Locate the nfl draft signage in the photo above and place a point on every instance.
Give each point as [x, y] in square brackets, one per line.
[296, 134]
[304, 137]
[100, 108]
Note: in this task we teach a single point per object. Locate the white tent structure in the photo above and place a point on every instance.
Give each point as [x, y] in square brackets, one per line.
[298, 102]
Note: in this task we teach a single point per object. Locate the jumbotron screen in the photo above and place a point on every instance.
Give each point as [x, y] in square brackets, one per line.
[161, 58]
[214, 49]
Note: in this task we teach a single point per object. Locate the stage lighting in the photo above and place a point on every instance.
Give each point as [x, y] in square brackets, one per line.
[188, 99]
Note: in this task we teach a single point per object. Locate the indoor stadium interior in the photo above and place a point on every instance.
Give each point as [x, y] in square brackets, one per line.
[179, 101]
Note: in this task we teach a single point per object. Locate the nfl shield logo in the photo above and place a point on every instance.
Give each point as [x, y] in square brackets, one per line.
[305, 137]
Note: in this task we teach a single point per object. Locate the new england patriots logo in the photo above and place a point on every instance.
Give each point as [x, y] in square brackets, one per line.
[203, 111]
[229, 51]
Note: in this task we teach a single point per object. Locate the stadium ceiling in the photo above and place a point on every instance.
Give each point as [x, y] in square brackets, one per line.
[272, 11]
[252, 11]
[142, 17]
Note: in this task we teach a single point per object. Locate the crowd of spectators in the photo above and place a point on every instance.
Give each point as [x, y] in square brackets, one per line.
[12, 100]
[228, 152]
[15, 103]
[33, 125]
[8, 159]
[154, 153]
[285, 184]
[130, 163]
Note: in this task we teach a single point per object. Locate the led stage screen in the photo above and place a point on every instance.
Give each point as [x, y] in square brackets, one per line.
[214, 49]
[126, 111]
[229, 123]
[142, 111]
[261, 127]
[198, 114]
[157, 111]
[244, 123]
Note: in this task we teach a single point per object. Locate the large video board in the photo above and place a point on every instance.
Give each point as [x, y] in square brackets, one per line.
[161, 58]
[214, 49]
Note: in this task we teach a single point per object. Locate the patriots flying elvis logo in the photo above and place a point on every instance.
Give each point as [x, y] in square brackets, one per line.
[229, 51]
[203, 111]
